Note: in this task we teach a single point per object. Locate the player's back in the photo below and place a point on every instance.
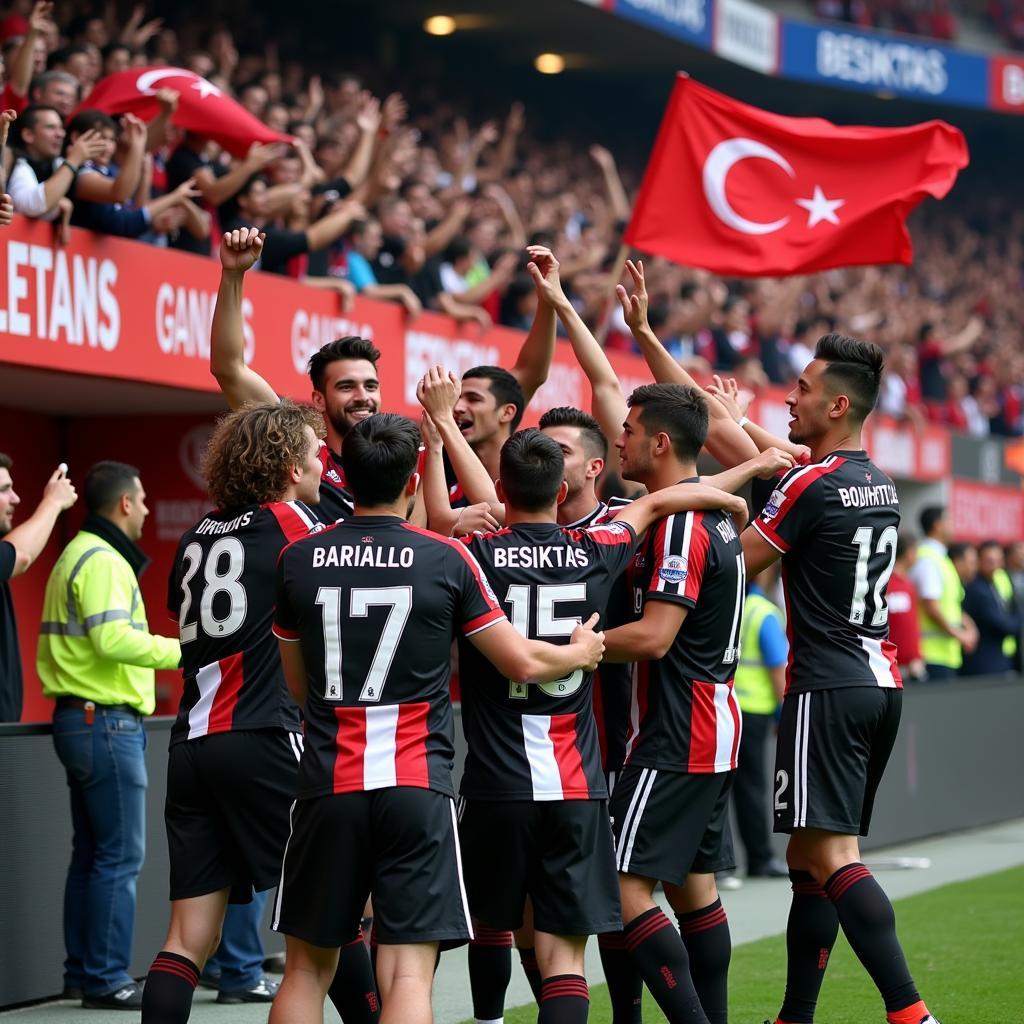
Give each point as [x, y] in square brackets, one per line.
[684, 714]
[221, 590]
[836, 523]
[539, 741]
[375, 603]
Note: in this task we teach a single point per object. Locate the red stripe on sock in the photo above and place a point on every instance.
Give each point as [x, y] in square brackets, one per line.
[170, 967]
[564, 988]
[484, 936]
[637, 933]
[162, 959]
[840, 882]
[702, 924]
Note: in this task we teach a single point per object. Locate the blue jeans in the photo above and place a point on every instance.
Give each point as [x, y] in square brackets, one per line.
[239, 957]
[106, 772]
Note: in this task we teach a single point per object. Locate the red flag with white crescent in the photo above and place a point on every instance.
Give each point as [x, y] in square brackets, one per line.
[741, 191]
[202, 107]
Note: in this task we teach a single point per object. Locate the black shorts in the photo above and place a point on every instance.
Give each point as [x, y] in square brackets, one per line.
[832, 749]
[557, 852]
[400, 843]
[227, 811]
[668, 824]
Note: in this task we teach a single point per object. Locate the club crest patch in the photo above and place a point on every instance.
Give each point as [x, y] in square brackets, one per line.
[673, 569]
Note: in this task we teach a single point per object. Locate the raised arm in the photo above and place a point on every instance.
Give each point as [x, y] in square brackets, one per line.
[239, 250]
[726, 440]
[727, 394]
[679, 498]
[438, 392]
[607, 402]
[29, 539]
[534, 360]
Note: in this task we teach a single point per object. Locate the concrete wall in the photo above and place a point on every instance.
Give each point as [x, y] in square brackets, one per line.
[957, 764]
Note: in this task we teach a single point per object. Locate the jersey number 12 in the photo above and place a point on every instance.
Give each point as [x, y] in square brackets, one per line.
[864, 539]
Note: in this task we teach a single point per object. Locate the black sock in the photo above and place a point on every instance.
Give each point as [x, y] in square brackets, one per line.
[354, 988]
[490, 971]
[528, 960]
[625, 986]
[167, 996]
[705, 934]
[564, 999]
[869, 924]
[659, 953]
[810, 935]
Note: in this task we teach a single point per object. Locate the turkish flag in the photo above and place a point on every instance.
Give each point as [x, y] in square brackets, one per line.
[740, 191]
[202, 107]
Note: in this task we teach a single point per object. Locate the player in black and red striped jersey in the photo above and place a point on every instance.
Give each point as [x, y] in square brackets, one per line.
[669, 806]
[236, 742]
[534, 811]
[343, 373]
[834, 522]
[366, 613]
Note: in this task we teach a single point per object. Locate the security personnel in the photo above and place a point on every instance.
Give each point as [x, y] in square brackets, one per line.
[1004, 588]
[96, 656]
[759, 685]
[945, 633]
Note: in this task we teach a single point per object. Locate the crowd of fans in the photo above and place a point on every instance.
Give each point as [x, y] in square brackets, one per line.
[405, 200]
[935, 19]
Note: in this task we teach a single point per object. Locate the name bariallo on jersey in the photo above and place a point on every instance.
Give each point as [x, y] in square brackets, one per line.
[213, 526]
[544, 557]
[874, 494]
[353, 557]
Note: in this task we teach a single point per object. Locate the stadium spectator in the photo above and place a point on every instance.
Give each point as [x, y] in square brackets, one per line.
[996, 615]
[1014, 562]
[20, 546]
[42, 182]
[904, 618]
[945, 632]
[96, 656]
[964, 557]
[57, 89]
[19, 57]
[364, 240]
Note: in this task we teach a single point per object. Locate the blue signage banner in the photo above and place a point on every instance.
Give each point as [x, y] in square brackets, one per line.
[688, 20]
[848, 59]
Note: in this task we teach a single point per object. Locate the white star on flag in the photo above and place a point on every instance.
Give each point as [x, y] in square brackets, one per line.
[205, 88]
[820, 208]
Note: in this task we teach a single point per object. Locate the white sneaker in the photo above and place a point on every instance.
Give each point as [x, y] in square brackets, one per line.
[730, 883]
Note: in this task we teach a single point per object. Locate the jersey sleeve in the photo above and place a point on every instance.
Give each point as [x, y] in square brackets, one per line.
[679, 551]
[795, 507]
[476, 607]
[614, 544]
[286, 626]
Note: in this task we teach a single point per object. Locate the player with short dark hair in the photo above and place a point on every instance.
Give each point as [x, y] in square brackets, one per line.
[343, 373]
[237, 739]
[534, 811]
[366, 613]
[835, 524]
[670, 803]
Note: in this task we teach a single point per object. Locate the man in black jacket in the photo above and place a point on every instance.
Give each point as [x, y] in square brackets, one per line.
[995, 617]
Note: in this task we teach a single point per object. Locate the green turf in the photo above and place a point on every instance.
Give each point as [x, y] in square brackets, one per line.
[964, 942]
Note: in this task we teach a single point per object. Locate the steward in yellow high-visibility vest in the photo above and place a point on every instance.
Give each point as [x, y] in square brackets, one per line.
[1004, 588]
[96, 656]
[940, 598]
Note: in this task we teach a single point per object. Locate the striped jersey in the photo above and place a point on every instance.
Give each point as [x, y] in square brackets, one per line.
[684, 715]
[335, 498]
[611, 681]
[221, 591]
[836, 523]
[539, 741]
[376, 604]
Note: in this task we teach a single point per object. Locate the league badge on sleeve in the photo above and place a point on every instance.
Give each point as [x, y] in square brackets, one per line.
[673, 569]
[772, 506]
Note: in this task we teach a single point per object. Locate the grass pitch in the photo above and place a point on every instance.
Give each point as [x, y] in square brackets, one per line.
[964, 943]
